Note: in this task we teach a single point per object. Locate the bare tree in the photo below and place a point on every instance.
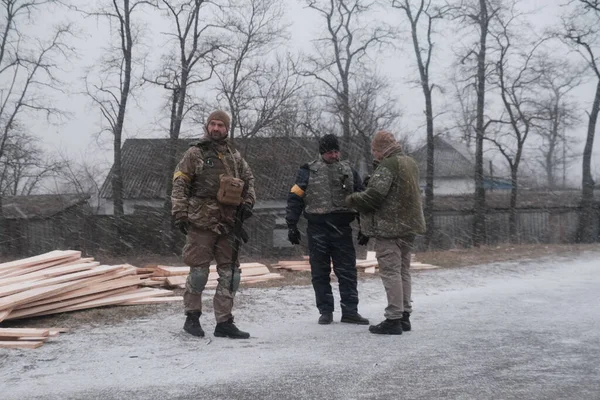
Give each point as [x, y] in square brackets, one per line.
[109, 84]
[558, 113]
[189, 63]
[338, 62]
[422, 18]
[254, 79]
[480, 14]
[81, 177]
[516, 79]
[28, 67]
[582, 30]
[24, 166]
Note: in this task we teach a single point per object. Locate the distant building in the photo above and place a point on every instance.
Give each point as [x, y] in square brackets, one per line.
[454, 169]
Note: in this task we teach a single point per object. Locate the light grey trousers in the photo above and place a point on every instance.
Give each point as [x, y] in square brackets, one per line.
[393, 256]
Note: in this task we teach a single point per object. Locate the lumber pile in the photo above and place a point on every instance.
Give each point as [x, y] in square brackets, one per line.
[26, 338]
[62, 281]
[166, 276]
[369, 265]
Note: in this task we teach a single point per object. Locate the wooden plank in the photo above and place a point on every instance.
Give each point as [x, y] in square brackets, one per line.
[23, 286]
[20, 345]
[370, 270]
[31, 295]
[47, 308]
[95, 287]
[166, 271]
[47, 273]
[62, 262]
[42, 258]
[153, 300]
[4, 314]
[23, 332]
[285, 263]
[176, 280]
[146, 270]
[151, 283]
[112, 300]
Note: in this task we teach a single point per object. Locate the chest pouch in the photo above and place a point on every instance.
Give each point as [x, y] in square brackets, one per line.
[231, 188]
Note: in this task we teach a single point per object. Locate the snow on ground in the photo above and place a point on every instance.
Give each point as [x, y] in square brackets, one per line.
[526, 329]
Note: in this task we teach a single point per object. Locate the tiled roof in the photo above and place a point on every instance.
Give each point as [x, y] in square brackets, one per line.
[274, 162]
[40, 206]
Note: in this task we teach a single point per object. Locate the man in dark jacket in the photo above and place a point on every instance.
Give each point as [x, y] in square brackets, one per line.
[391, 212]
[319, 191]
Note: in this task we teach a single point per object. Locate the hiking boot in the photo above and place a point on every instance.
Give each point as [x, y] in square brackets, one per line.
[228, 329]
[326, 318]
[405, 321]
[354, 318]
[387, 327]
[192, 324]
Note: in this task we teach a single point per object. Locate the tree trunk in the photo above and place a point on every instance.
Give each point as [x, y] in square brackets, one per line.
[512, 214]
[588, 214]
[479, 234]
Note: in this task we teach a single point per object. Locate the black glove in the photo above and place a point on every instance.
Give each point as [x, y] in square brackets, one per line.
[366, 180]
[182, 223]
[294, 234]
[362, 239]
[246, 211]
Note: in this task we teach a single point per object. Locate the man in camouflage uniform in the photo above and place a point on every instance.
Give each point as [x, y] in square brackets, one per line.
[208, 224]
[391, 211]
[320, 189]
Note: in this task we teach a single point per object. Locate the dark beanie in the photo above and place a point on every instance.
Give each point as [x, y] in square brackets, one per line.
[328, 143]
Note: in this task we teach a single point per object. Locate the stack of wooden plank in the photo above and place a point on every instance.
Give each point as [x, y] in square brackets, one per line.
[61, 281]
[369, 265]
[26, 338]
[167, 276]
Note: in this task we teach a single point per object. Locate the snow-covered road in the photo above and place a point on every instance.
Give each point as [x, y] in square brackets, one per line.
[528, 330]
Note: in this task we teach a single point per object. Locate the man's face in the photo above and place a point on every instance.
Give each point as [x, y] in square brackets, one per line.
[216, 130]
[377, 155]
[331, 157]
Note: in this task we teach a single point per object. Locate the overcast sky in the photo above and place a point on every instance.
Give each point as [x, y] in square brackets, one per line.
[78, 135]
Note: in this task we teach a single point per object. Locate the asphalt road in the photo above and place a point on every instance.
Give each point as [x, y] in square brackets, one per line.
[526, 330]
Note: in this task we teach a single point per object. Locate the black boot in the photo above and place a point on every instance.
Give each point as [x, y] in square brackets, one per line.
[387, 327]
[228, 329]
[405, 321]
[192, 324]
[354, 318]
[326, 318]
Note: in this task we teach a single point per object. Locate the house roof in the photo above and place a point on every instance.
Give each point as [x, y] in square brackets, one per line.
[273, 160]
[40, 206]
[501, 200]
[451, 159]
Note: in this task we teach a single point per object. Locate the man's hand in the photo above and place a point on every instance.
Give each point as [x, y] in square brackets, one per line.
[366, 180]
[362, 239]
[246, 211]
[182, 223]
[294, 234]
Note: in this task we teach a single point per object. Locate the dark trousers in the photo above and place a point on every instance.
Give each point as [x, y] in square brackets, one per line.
[326, 244]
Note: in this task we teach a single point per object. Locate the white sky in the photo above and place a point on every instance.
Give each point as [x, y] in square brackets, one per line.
[77, 136]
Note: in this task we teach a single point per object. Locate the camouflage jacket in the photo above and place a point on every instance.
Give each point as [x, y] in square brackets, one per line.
[391, 205]
[196, 183]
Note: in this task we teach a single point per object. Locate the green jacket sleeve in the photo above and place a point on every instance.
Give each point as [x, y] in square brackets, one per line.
[372, 198]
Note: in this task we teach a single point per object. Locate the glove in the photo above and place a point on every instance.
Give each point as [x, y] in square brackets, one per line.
[246, 211]
[362, 239]
[366, 180]
[294, 235]
[182, 223]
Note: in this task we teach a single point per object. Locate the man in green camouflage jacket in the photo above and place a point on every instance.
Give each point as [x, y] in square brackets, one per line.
[391, 211]
[208, 224]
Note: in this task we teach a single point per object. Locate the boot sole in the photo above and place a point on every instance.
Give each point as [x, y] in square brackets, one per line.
[354, 322]
[193, 334]
[218, 334]
[386, 333]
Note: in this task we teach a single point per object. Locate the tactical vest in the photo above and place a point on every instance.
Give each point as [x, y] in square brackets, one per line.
[328, 186]
[206, 184]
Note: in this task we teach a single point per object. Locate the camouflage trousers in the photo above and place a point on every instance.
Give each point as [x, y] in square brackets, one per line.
[393, 256]
[201, 247]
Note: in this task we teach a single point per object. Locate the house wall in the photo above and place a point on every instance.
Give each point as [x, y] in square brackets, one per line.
[443, 186]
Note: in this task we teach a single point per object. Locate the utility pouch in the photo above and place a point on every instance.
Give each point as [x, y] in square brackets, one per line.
[230, 190]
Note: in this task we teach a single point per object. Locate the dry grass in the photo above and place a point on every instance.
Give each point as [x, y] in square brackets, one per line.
[448, 258]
